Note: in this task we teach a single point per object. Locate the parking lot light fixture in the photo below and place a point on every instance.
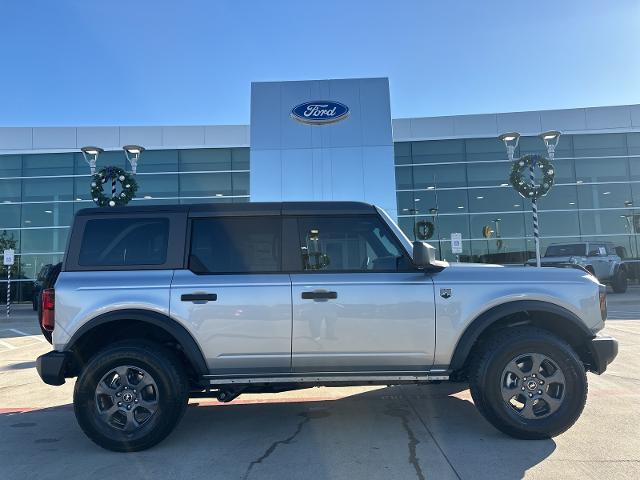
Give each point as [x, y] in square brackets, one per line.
[133, 153]
[510, 140]
[90, 155]
[551, 139]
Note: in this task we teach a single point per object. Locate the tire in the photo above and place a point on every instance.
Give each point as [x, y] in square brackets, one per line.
[542, 416]
[619, 282]
[155, 409]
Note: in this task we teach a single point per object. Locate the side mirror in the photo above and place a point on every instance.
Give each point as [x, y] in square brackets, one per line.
[423, 254]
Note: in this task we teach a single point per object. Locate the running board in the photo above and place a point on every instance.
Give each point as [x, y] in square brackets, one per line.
[328, 379]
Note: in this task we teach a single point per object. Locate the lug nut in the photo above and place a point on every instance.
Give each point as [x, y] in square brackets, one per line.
[136, 400]
[531, 395]
[539, 392]
[128, 407]
[118, 394]
[119, 404]
[522, 388]
[541, 382]
[534, 375]
[134, 391]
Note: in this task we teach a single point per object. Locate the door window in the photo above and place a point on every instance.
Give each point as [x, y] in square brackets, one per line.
[236, 245]
[353, 244]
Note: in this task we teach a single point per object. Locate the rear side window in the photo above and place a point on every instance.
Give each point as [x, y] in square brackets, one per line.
[236, 245]
[124, 241]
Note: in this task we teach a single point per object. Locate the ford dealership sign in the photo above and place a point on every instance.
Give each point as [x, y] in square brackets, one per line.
[320, 112]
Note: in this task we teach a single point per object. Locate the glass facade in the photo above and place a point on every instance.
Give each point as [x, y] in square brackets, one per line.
[442, 187]
[447, 186]
[39, 194]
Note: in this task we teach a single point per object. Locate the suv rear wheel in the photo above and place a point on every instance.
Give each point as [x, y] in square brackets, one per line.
[619, 281]
[528, 383]
[130, 396]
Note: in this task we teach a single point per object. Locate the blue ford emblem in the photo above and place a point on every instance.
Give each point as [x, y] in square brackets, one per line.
[320, 112]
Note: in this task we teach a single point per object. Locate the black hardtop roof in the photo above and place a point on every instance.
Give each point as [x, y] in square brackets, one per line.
[249, 208]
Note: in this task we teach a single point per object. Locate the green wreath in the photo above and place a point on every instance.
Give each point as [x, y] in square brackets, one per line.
[423, 230]
[128, 185]
[520, 180]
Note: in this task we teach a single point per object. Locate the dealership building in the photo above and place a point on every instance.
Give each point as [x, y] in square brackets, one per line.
[336, 140]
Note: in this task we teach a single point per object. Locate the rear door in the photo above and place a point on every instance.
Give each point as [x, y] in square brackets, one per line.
[358, 303]
[234, 296]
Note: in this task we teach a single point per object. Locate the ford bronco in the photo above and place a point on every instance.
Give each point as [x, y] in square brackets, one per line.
[157, 304]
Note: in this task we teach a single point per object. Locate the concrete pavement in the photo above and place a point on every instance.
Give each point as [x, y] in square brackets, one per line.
[413, 432]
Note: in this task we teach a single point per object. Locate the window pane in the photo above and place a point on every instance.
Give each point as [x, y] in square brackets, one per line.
[347, 244]
[404, 178]
[47, 214]
[9, 216]
[599, 145]
[605, 222]
[205, 185]
[124, 241]
[157, 161]
[554, 223]
[438, 151]
[47, 189]
[440, 176]
[485, 149]
[47, 164]
[156, 186]
[240, 183]
[489, 173]
[605, 196]
[44, 240]
[240, 158]
[206, 159]
[560, 197]
[502, 225]
[10, 166]
[601, 170]
[504, 199]
[236, 245]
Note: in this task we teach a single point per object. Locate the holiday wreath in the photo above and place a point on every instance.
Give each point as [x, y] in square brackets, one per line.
[128, 187]
[520, 176]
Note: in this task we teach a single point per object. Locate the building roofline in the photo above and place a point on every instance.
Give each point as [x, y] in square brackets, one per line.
[612, 119]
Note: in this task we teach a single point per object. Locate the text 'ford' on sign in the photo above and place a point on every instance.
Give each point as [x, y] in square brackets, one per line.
[320, 112]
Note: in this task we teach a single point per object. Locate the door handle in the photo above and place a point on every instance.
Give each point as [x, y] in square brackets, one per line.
[199, 297]
[319, 295]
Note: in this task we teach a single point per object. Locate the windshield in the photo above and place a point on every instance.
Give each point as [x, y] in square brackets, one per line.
[566, 250]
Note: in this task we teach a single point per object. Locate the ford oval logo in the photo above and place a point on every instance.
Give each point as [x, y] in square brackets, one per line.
[320, 112]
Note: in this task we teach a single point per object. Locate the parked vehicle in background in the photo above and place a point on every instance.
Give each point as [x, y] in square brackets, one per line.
[158, 304]
[37, 285]
[599, 258]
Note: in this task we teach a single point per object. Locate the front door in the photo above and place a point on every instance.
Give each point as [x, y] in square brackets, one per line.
[234, 297]
[358, 303]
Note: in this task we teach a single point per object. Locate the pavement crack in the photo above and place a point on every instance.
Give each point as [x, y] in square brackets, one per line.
[272, 448]
[424, 424]
[413, 440]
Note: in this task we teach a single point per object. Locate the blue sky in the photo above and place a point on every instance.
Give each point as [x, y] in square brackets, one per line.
[143, 62]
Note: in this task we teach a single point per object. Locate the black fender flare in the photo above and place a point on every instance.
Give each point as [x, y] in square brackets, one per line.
[190, 347]
[494, 314]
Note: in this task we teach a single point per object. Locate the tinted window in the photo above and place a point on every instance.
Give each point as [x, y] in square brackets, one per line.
[236, 245]
[124, 241]
[566, 250]
[348, 244]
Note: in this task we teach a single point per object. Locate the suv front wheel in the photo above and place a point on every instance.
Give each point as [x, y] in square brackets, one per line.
[528, 383]
[130, 396]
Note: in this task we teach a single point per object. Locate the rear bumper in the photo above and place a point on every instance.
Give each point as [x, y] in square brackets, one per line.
[603, 351]
[52, 367]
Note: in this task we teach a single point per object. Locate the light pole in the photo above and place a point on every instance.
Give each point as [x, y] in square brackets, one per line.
[90, 155]
[133, 153]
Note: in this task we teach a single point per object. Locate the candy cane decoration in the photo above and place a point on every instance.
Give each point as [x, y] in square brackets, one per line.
[534, 209]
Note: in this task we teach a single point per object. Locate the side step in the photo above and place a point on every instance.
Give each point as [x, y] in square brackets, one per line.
[329, 379]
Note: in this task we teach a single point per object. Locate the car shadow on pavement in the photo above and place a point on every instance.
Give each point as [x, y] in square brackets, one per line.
[431, 431]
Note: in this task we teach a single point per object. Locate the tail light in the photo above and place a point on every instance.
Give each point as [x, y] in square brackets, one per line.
[48, 299]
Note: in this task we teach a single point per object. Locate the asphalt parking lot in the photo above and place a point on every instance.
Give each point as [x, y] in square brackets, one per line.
[375, 433]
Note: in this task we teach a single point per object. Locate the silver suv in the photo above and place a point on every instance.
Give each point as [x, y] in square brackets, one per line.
[158, 304]
[599, 258]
